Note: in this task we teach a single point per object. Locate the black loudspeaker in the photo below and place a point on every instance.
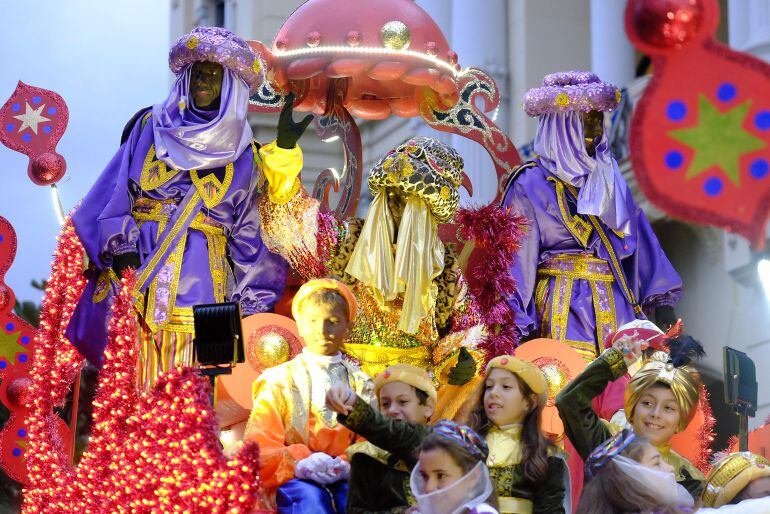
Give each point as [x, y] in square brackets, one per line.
[741, 389]
[740, 376]
[218, 334]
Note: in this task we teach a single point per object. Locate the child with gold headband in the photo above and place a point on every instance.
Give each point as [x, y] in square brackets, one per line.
[530, 473]
[303, 467]
[660, 400]
[380, 467]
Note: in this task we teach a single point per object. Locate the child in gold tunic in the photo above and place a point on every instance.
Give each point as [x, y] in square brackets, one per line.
[531, 475]
[303, 467]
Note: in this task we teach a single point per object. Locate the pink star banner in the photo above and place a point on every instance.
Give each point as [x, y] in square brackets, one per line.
[32, 122]
[700, 135]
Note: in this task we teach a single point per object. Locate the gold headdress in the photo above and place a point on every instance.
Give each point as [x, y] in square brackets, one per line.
[684, 382]
[425, 168]
[731, 475]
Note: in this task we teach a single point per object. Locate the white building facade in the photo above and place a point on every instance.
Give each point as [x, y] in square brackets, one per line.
[518, 42]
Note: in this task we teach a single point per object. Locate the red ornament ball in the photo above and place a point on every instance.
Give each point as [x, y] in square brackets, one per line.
[46, 168]
[666, 23]
[5, 298]
[353, 38]
[313, 39]
[17, 391]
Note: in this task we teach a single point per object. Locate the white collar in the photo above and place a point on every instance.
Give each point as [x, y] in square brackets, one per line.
[322, 360]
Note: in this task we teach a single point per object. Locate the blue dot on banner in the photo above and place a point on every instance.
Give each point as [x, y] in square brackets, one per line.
[3, 364]
[36, 99]
[16, 452]
[22, 433]
[713, 186]
[759, 168]
[676, 110]
[23, 358]
[26, 137]
[762, 120]
[674, 159]
[1, 238]
[16, 107]
[9, 326]
[726, 92]
[10, 127]
[52, 110]
[24, 339]
[47, 129]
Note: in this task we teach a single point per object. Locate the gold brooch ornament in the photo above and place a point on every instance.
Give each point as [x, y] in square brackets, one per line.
[562, 100]
[395, 35]
[192, 42]
[256, 66]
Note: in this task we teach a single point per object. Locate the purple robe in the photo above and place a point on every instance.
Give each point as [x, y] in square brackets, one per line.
[572, 291]
[248, 273]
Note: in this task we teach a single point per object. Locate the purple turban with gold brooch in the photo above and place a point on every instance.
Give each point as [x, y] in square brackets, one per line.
[560, 142]
[219, 45]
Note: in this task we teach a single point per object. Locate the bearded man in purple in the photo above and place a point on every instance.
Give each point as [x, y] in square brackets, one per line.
[178, 202]
[590, 262]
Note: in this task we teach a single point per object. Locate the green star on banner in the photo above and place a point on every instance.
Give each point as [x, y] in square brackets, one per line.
[718, 139]
[9, 345]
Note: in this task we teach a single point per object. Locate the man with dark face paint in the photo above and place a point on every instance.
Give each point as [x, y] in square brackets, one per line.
[178, 202]
[590, 261]
[206, 85]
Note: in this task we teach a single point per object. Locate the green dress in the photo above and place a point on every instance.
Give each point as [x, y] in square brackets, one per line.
[586, 430]
[517, 495]
[380, 467]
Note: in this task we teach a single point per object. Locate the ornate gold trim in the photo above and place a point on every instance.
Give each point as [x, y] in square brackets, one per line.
[189, 209]
[155, 172]
[576, 225]
[210, 188]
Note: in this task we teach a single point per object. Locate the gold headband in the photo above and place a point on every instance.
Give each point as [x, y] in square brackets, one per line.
[408, 374]
[320, 284]
[526, 371]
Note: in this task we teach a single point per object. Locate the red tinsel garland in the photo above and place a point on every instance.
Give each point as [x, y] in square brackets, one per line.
[497, 233]
[705, 433]
[154, 452]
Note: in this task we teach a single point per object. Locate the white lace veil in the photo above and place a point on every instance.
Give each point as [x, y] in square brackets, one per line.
[666, 488]
[466, 493]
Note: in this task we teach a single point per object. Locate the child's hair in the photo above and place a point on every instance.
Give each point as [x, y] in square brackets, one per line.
[610, 493]
[459, 455]
[422, 396]
[536, 446]
[327, 297]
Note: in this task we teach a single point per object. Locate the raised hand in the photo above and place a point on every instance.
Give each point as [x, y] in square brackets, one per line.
[289, 131]
[340, 398]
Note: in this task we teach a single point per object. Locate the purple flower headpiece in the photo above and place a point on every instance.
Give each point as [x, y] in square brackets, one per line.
[219, 45]
[607, 451]
[463, 436]
[569, 91]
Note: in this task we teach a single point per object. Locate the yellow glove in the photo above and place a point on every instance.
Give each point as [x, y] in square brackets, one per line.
[281, 168]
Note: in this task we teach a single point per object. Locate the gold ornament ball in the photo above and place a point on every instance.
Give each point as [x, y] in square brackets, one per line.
[272, 349]
[555, 378]
[395, 35]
